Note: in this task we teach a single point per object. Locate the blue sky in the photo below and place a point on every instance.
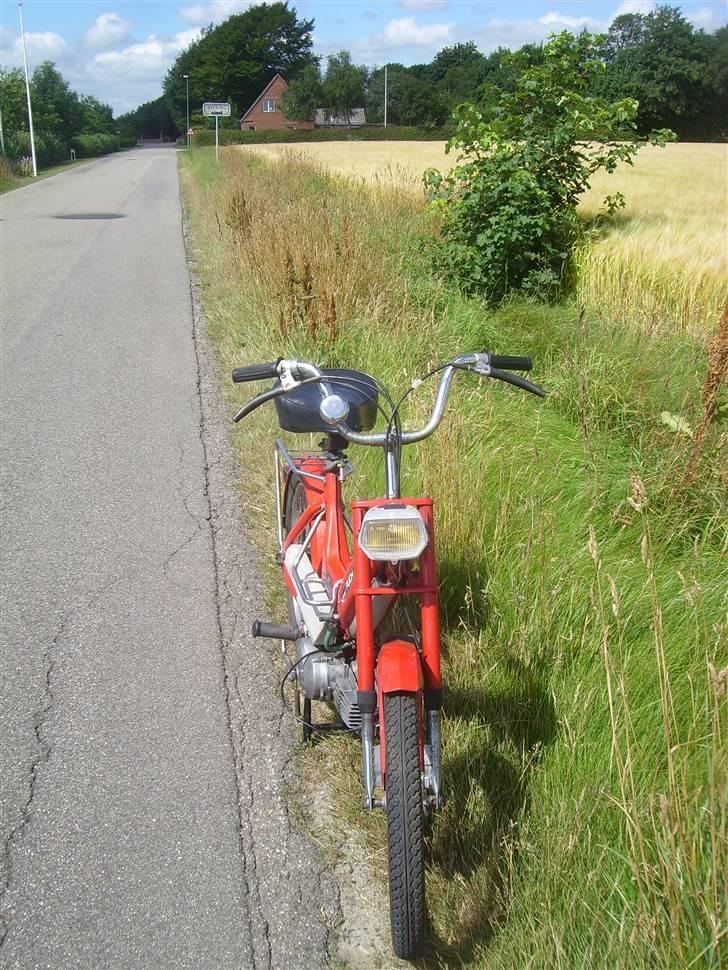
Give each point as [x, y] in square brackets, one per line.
[119, 50]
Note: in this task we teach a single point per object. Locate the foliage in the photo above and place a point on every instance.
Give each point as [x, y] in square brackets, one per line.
[49, 149]
[663, 62]
[303, 95]
[234, 61]
[151, 119]
[96, 143]
[508, 207]
[342, 89]
[56, 107]
[61, 118]
[410, 101]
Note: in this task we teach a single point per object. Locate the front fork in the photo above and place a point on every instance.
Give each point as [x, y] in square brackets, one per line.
[432, 772]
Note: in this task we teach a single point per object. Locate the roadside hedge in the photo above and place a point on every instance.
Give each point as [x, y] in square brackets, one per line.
[88, 146]
[49, 149]
[205, 138]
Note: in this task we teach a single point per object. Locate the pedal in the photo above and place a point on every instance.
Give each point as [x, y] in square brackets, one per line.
[272, 631]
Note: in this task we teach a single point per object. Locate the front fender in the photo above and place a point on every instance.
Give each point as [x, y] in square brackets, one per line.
[399, 668]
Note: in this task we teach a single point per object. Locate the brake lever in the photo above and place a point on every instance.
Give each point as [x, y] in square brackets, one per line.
[516, 381]
[256, 402]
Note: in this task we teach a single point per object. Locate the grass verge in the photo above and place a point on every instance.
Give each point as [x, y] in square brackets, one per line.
[9, 180]
[581, 560]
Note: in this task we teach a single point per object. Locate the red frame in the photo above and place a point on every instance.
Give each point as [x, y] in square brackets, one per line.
[396, 665]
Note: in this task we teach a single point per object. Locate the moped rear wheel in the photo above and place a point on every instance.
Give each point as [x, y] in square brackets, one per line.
[404, 824]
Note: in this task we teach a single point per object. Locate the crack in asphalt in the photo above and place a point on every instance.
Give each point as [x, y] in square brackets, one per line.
[44, 748]
[43, 753]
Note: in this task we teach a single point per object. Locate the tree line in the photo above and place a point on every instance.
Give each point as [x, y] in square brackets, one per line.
[62, 119]
[677, 73]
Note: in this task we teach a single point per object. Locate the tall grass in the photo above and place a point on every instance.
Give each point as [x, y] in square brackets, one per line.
[581, 549]
[662, 265]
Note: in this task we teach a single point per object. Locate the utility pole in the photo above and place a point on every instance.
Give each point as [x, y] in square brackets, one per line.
[187, 129]
[385, 95]
[27, 90]
[2, 134]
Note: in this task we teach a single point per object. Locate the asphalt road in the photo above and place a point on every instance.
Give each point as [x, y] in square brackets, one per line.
[142, 754]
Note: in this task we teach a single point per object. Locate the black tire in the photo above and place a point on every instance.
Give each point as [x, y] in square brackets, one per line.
[295, 504]
[405, 825]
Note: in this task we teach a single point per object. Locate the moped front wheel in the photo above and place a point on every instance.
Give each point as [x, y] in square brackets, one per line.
[404, 824]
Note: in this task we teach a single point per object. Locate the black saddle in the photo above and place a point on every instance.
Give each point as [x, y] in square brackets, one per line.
[298, 410]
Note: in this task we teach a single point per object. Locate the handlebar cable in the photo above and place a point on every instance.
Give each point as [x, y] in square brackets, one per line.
[413, 387]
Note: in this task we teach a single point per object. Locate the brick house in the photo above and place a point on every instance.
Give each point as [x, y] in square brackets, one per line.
[265, 113]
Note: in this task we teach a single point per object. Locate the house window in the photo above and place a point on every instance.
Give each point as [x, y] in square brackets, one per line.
[269, 105]
[251, 127]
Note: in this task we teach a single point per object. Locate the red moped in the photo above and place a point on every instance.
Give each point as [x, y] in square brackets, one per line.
[343, 576]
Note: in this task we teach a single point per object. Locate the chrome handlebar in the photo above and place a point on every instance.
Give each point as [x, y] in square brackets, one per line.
[293, 373]
[478, 363]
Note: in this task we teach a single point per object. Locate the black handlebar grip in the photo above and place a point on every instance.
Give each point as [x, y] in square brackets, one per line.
[510, 363]
[255, 372]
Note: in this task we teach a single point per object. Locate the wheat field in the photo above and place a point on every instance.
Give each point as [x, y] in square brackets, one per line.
[661, 263]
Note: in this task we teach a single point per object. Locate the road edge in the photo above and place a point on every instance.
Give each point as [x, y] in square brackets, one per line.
[293, 900]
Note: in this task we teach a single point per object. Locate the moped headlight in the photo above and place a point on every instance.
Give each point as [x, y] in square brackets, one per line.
[391, 533]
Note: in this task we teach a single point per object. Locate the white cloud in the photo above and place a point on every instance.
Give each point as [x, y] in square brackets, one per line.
[560, 21]
[150, 58]
[423, 4]
[212, 11]
[42, 46]
[633, 6]
[107, 30]
[406, 32]
[707, 18]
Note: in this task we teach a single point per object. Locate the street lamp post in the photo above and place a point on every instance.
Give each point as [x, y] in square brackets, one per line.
[27, 91]
[187, 130]
[385, 95]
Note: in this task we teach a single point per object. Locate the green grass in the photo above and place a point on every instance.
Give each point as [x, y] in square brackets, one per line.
[583, 575]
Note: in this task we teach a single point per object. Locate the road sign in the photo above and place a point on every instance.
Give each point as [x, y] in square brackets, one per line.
[216, 109]
[190, 131]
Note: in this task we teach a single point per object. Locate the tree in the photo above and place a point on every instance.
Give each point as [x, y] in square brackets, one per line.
[508, 207]
[343, 86]
[12, 101]
[152, 119]
[56, 107]
[303, 95]
[236, 60]
[96, 117]
[662, 61]
[410, 100]
[457, 72]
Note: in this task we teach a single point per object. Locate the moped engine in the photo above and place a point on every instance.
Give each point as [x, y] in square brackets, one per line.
[326, 678]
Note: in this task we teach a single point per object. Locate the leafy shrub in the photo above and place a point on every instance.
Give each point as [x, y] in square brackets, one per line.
[49, 149]
[88, 146]
[509, 206]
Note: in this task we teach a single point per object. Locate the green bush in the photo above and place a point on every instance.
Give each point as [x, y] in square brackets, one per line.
[88, 146]
[509, 206]
[49, 149]
[204, 139]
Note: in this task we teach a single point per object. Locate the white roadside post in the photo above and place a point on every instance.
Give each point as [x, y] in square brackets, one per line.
[27, 90]
[216, 109]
